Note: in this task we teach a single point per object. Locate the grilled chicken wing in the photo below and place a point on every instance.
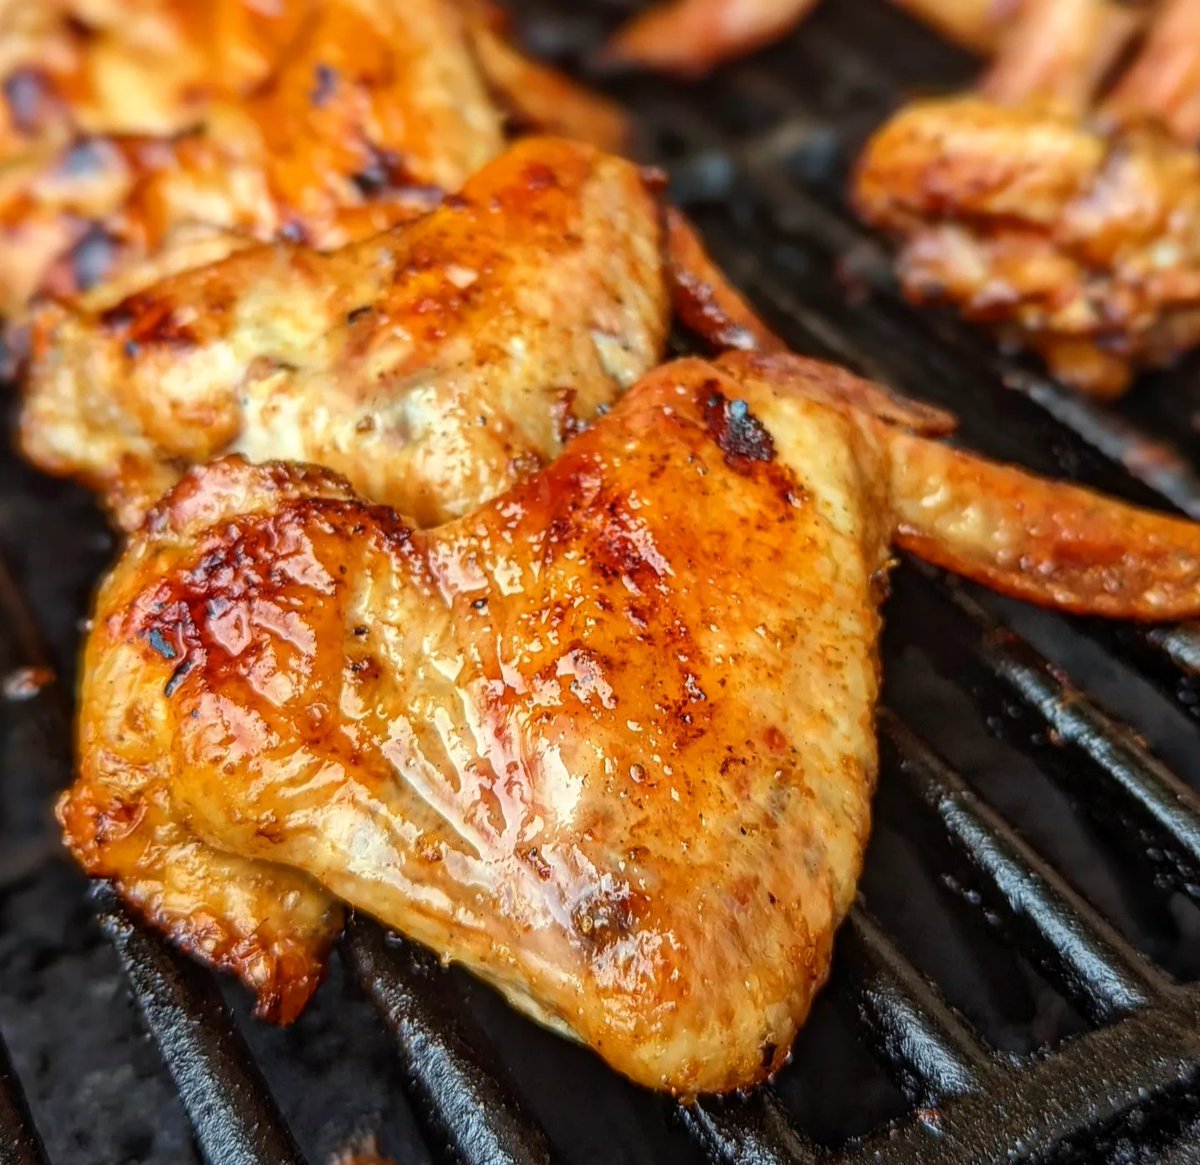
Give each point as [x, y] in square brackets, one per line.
[607, 741]
[132, 130]
[430, 364]
[1075, 234]
[690, 38]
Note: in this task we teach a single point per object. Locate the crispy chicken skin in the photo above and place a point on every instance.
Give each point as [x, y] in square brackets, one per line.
[690, 38]
[607, 741]
[153, 136]
[430, 365]
[1078, 242]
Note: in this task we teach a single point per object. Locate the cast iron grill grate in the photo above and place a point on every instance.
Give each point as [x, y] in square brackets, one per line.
[1021, 963]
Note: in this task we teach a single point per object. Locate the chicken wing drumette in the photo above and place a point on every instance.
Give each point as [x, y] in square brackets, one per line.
[608, 740]
[1068, 221]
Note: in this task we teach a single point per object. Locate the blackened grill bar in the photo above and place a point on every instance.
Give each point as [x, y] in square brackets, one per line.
[19, 1140]
[456, 1079]
[760, 156]
[233, 1114]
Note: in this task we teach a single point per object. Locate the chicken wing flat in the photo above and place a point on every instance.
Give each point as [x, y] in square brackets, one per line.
[690, 38]
[608, 741]
[1079, 242]
[155, 135]
[431, 365]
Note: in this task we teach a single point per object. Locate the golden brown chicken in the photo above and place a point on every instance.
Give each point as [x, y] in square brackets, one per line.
[1081, 244]
[140, 139]
[1073, 233]
[165, 131]
[430, 365]
[608, 740]
[690, 38]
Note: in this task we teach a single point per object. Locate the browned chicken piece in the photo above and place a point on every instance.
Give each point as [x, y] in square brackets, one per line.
[704, 302]
[1060, 51]
[431, 365]
[329, 121]
[608, 741]
[1075, 236]
[690, 38]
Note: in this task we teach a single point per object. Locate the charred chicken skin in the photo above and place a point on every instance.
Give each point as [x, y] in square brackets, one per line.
[607, 741]
[1071, 227]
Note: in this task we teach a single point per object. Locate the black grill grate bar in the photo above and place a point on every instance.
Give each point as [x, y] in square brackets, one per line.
[752, 1130]
[19, 1140]
[1102, 974]
[1132, 776]
[1168, 657]
[1090, 1084]
[458, 1085]
[929, 1049]
[232, 1113]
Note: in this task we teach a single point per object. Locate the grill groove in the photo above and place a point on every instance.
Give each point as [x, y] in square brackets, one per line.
[19, 1141]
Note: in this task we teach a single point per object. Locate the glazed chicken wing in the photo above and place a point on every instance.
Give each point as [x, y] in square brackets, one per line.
[607, 741]
[430, 365]
[1072, 233]
[148, 138]
[145, 138]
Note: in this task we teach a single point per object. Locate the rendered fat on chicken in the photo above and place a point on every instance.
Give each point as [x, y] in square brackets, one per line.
[608, 741]
[1066, 219]
[432, 365]
[149, 137]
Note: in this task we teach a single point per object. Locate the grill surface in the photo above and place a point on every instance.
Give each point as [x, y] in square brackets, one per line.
[1017, 980]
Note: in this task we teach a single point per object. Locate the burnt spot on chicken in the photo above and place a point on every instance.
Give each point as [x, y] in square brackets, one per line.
[384, 174]
[325, 82]
[146, 320]
[606, 915]
[739, 434]
[30, 98]
[562, 413]
[293, 231]
[87, 263]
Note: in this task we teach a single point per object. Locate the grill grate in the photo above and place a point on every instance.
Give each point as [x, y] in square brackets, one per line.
[760, 159]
